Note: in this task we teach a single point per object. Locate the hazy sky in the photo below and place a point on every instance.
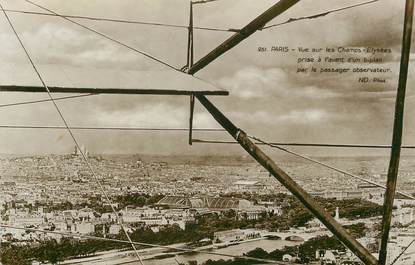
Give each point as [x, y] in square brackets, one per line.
[267, 97]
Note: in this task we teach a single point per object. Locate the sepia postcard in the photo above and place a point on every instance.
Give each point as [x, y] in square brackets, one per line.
[207, 132]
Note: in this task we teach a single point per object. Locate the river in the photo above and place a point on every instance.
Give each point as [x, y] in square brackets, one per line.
[240, 249]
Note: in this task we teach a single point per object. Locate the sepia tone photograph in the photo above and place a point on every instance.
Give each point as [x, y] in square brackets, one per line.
[207, 132]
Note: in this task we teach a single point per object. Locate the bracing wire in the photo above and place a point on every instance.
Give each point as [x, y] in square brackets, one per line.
[278, 146]
[329, 166]
[372, 146]
[125, 21]
[138, 243]
[70, 131]
[109, 128]
[43, 100]
[112, 128]
[322, 14]
[107, 37]
[402, 252]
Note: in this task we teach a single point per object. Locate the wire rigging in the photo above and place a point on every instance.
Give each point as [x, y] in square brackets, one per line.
[277, 145]
[177, 129]
[125, 21]
[138, 243]
[402, 252]
[329, 166]
[309, 144]
[44, 100]
[70, 131]
[318, 15]
[107, 37]
[110, 128]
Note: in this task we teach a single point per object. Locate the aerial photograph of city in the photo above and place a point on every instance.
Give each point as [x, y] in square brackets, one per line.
[207, 132]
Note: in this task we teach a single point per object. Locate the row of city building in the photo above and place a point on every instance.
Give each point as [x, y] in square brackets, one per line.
[170, 210]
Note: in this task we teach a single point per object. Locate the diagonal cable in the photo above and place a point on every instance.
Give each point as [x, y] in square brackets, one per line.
[70, 132]
[323, 14]
[331, 145]
[402, 252]
[125, 21]
[107, 37]
[89, 128]
[329, 166]
[43, 100]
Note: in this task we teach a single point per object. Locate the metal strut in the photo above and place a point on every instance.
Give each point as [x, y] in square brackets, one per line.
[192, 109]
[190, 48]
[397, 131]
[256, 24]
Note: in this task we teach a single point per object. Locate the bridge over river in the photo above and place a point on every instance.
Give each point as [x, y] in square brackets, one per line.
[296, 236]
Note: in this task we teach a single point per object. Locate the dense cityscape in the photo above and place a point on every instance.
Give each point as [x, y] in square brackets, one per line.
[210, 205]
